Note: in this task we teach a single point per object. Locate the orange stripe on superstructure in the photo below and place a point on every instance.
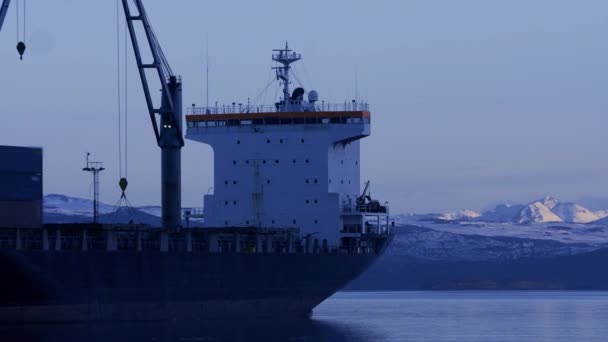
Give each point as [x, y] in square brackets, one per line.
[277, 115]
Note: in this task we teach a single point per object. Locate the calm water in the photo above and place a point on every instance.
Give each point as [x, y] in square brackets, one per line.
[386, 316]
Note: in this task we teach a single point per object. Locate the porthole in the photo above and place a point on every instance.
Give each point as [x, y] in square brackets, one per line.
[246, 222]
[234, 202]
[341, 182]
[234, 182]
[226, 222]
[294, 161]
[238, 142]
[272, 221]
[234, 162]
[307, 181]
[226, 202]
[226, 182]
[268, 181]
[264, 161]
[316, 181]
[281, 141]
[307, 161]
[316, 201]
[316, 221]
[268, 141]
[302, 141]
[247, 161]
[307, 201]
[294, 221]
[276, 161]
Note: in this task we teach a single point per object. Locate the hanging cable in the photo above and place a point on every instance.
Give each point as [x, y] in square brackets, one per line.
[24, 13]
[126, 101]
[118, 91]
[18, 27]
[20, 42]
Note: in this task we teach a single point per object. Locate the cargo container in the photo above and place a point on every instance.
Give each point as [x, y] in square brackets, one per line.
[20, 187]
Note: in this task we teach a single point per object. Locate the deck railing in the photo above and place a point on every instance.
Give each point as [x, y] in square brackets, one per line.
[239, 108]
[86, 237]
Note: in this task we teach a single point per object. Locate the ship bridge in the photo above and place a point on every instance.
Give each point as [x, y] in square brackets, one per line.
[294, 164]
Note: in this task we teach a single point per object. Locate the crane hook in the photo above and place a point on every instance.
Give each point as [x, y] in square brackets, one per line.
[123, 184]
[21, 49]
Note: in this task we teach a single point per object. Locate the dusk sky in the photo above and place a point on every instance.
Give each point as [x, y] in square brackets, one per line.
[473, 102]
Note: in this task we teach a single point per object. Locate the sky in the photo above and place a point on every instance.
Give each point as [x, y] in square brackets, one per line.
[474, 102]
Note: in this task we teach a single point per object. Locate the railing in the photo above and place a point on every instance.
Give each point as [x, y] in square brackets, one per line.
[239, 108]
[87, 237]
[364, 208]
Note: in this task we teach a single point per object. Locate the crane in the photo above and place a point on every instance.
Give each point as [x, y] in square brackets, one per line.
[3, 11]
[168, 126]
[169, 132]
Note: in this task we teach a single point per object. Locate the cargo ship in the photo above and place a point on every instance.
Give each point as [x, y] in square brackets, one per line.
[285, 227]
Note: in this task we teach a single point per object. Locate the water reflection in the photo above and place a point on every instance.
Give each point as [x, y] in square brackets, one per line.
[214, 330]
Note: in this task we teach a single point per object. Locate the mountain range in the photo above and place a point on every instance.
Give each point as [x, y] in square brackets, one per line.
[66, 209]
[544, 210]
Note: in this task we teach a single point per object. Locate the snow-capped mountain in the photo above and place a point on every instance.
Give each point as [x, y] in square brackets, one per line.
[460, 215]
[545, 210]
[537, 212]
[549, 202]
[574, 213]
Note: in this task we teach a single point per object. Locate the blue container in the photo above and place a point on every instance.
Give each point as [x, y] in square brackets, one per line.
[20, 173]
[17, 159]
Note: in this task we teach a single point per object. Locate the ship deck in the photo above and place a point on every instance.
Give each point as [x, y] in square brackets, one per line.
[124, 237]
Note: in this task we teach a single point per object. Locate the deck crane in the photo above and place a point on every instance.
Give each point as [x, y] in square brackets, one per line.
[3, 11]
[169, 132]
[168, 127]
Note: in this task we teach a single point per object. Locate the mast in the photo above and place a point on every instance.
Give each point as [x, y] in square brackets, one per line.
[285, 57]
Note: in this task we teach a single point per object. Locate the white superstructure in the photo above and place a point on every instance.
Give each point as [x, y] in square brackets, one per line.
[294, 164]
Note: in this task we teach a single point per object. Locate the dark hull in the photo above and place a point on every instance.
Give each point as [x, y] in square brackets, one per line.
[150, 285]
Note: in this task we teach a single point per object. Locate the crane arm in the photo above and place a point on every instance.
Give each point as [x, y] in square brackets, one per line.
[168, 109]
[3, 10]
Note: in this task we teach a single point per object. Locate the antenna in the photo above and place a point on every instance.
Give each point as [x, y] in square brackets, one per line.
[207, 68]
[95, 168]
[356, 86]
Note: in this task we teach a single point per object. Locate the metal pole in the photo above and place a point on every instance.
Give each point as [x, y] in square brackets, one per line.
[170, 146]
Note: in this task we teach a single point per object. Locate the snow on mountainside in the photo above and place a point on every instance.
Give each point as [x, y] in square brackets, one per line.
[574, 213]
[537, 213]
[503, 213]
[549, 202]
[447, 242]
[460, 215]
[601, 213]
[66, 205]
[66, 209]
[547, 209]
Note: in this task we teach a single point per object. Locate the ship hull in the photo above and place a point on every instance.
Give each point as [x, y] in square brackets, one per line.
[43, 286]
